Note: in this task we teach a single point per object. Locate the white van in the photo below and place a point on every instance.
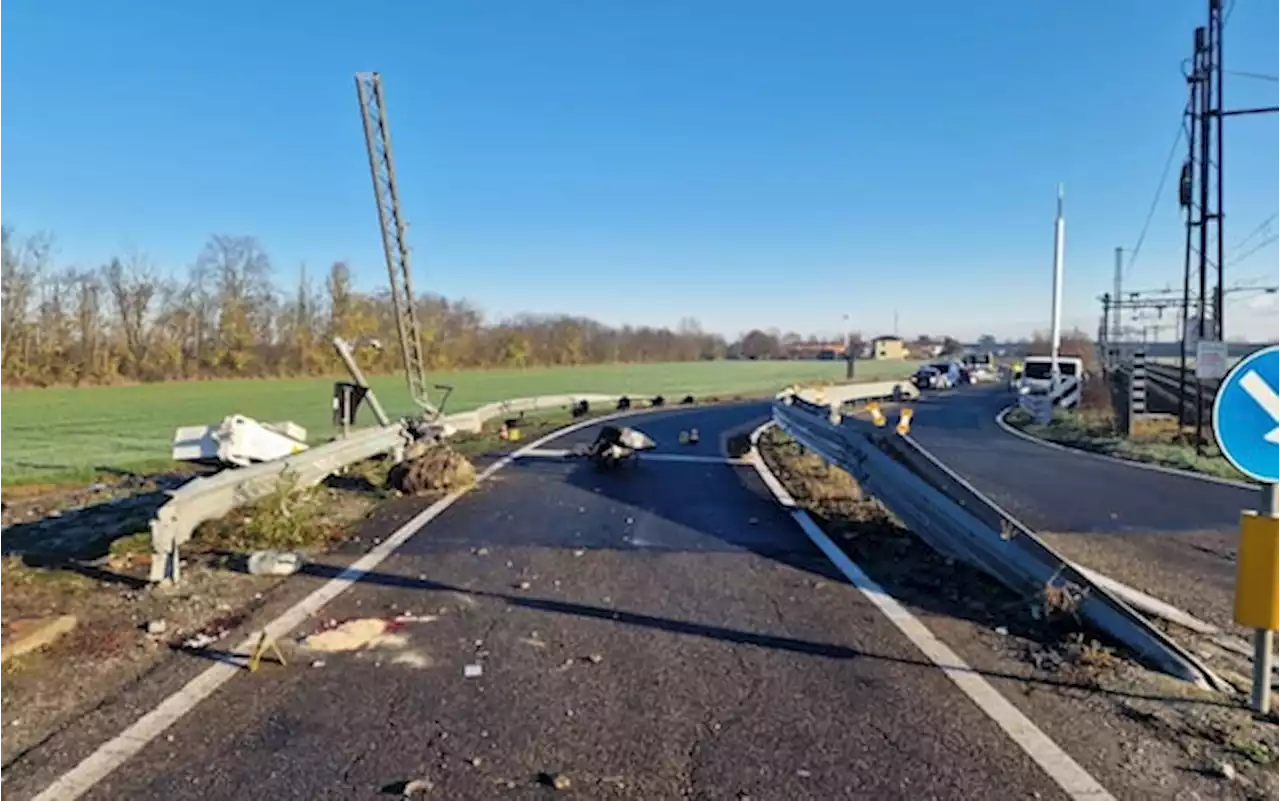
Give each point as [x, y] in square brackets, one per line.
[1037, 373]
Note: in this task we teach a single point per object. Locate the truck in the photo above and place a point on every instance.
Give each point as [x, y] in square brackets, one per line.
[1037, 373]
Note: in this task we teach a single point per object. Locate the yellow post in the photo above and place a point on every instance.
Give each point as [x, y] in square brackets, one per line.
[260, 650]
[877, 416]
[1258, 590]
[904, 422]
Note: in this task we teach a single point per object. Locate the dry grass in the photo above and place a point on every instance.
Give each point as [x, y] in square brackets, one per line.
[291, 517]
[1156, 439]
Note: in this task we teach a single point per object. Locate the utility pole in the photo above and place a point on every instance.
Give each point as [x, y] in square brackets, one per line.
[1104, 336]
[1186, 186]
[395, 248]
[1117, 331]
[1059, 232]
[1206, 73]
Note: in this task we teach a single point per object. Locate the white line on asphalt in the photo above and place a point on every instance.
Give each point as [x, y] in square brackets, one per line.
[1158, 468]
[692, 458]
[114, 753]
[1074, 780]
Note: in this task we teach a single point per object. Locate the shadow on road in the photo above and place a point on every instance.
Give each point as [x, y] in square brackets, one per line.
[692, 629]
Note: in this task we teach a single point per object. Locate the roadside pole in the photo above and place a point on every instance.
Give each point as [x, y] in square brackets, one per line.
[1246, 425]
[1055, 342]
[1264, 641]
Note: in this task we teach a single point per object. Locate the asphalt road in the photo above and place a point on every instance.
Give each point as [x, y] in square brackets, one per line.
[1171, 535]
[663, 633]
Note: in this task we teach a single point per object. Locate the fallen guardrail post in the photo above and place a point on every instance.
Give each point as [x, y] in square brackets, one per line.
[957, 520]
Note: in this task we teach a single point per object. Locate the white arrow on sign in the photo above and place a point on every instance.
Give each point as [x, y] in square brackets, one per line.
[1264, 396]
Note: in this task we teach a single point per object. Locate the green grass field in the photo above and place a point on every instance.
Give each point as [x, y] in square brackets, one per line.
[63, 435]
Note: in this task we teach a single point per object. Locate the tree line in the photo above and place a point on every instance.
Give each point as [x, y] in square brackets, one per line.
[226, 317]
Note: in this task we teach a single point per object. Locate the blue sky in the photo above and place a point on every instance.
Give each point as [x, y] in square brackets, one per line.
[740, 161]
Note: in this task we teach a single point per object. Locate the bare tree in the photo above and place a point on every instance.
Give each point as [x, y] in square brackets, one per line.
[133, 284]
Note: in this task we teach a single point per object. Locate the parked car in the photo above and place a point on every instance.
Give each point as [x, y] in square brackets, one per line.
[939, 375]
[926, 378]
[950, 373]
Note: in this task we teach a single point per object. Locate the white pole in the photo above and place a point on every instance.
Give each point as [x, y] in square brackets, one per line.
[1059, 234]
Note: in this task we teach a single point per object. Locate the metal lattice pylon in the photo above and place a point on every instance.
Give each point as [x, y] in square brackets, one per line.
[377, 136]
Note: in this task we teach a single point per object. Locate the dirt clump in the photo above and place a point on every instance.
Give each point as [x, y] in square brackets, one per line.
[440, 469]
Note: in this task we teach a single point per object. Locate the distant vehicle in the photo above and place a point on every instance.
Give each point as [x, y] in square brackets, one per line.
[1037, 373]
[951, 373]
[939, 375]
[981, 367]
[927, 378]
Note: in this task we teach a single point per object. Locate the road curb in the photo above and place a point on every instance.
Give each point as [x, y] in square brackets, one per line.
[1157, 468]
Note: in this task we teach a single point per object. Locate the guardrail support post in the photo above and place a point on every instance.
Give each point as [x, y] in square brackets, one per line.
[1258, 590]
[1264, 639]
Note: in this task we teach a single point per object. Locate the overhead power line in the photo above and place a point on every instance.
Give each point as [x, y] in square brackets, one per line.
[1269, 240]
[1159, 193]
[1262, 226]
[1256, 75]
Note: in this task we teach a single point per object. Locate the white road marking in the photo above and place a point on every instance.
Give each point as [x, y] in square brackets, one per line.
[114, 753]
[1074, 780]
[692, 458]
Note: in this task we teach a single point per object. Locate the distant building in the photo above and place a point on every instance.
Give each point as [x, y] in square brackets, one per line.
[822, 351]
[888, 348]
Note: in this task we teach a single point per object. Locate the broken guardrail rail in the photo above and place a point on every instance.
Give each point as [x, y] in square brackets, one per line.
[955, 519]
[214, 496]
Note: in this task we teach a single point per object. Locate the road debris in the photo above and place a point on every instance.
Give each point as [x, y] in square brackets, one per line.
[157, 627]
[351, 635]
[274, 563]
[472, 671]
[440, 469]
[30, 634]
[522, 585]
[558, 781]
[417, 787]
[413, 659]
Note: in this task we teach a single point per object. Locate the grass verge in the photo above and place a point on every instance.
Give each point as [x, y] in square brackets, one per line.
[59, 435]
[1156, 440]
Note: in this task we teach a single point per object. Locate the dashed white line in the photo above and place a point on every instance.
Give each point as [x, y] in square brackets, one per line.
[645, 456]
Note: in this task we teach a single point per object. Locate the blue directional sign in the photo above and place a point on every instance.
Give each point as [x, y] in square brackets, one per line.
[1246, 415]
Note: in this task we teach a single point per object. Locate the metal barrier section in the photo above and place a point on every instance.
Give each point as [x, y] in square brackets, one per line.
[212, 497]
[956, 519]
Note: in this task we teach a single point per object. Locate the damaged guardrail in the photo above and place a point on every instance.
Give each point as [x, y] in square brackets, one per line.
[214, 496]
[955, 519]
